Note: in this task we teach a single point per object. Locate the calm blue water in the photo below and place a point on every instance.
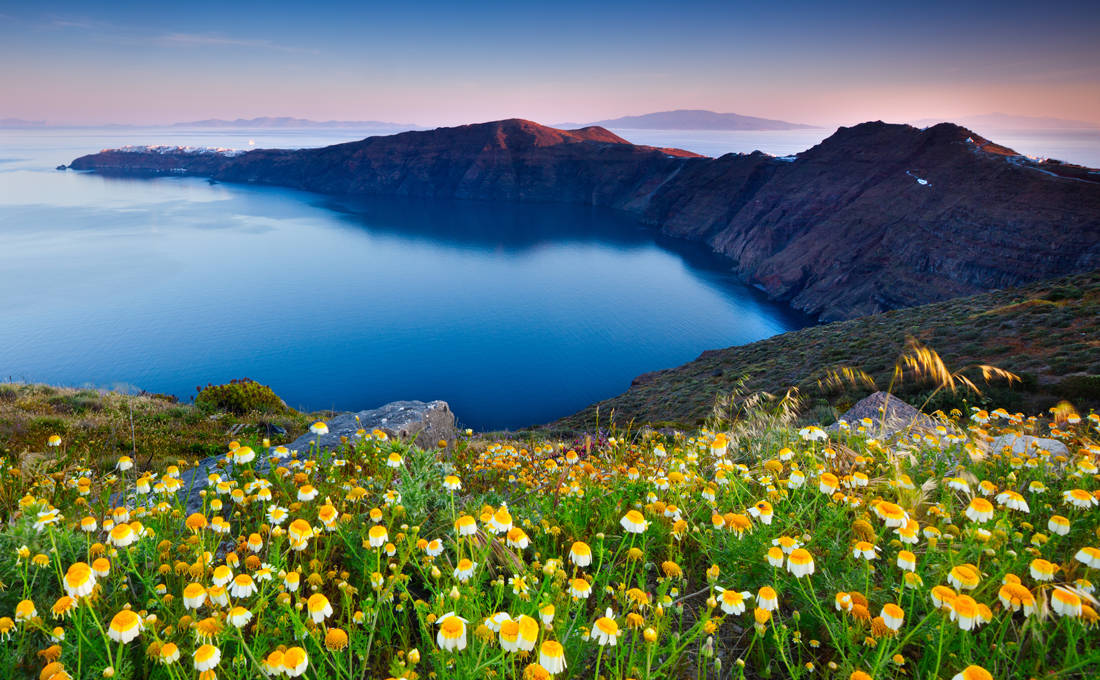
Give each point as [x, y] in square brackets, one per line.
[514, 314]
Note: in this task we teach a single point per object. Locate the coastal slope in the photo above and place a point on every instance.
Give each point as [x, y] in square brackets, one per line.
[874, 218]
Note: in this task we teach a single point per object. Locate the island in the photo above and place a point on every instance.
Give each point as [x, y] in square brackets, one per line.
[876, 217]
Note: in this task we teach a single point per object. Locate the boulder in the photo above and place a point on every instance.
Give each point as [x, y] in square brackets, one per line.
[409, 421]
[899, 416]
[424, 423]
[1027, 444]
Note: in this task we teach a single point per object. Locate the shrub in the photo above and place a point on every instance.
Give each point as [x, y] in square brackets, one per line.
[240, 396]
[1064, 292]
[75, 404]
[1080, 387]
[49, 425]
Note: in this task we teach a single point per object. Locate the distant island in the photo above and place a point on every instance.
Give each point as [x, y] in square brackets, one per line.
[289, 122]
[263, 122]
[876, 217]
[20, 123]
[693, 119]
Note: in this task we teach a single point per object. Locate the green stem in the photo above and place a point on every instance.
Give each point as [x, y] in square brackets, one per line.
[939, 650]
[110, 658]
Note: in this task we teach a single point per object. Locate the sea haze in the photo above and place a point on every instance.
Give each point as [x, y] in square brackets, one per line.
[515, 314]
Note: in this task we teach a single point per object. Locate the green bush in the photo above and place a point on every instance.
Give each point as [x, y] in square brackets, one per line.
[49, 425]
[1064, 292]
[1085, 388]
[75, 404]
[240, 396]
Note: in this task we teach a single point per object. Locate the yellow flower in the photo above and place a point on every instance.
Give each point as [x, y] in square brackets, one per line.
[79, 580]
[206, 657]
[295, 662]
[336, 640]
[125, 626]
[633, 522]
[605, 630]
[580, 554]
[973, 673]
[318, 607]
[800, 562]
[452, 632]
[552, 657]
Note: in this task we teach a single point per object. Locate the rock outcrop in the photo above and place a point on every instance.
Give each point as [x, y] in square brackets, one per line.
[409, 421]
[888, 414]
[876, 217]
[424, 423]
[1027, 445]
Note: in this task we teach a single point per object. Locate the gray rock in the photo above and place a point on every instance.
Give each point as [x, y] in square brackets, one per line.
[410, 421]
[899, 416]
[273, 430]
[1027, 444]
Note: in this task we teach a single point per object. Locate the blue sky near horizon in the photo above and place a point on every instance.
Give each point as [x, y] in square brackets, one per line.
[444, 63]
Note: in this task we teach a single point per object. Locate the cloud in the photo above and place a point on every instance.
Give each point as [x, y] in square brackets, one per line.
[133, 35]
[82, 24]
[206, 39]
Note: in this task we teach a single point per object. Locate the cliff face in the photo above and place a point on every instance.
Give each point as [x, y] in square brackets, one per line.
[876, 217]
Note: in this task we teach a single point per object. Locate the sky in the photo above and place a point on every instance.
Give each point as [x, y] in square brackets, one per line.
[441, 63]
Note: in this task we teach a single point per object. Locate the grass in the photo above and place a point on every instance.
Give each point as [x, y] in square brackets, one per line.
[1047, 333]
[95, 426]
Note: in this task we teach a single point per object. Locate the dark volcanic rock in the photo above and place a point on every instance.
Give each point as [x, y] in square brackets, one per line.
[876, 217]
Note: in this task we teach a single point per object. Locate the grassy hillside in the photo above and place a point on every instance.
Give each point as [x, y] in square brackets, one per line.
[98, 426]
[1047, 333]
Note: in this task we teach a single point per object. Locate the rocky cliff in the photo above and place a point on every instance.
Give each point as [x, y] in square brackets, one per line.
[876, 217]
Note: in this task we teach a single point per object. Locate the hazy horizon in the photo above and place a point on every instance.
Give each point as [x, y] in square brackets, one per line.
[441, 64]
[997, 121]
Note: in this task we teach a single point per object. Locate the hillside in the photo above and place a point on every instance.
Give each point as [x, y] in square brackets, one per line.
[101, 425]
[876, 217]
[1048, 333]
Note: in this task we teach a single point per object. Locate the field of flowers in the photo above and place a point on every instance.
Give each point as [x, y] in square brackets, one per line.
[751, 550]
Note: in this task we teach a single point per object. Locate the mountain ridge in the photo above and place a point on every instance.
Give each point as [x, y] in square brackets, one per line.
[876, 217]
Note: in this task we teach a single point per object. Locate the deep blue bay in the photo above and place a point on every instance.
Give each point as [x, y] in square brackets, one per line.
[515, 314]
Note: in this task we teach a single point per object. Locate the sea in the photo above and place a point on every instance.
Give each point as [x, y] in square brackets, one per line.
[514, 314]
